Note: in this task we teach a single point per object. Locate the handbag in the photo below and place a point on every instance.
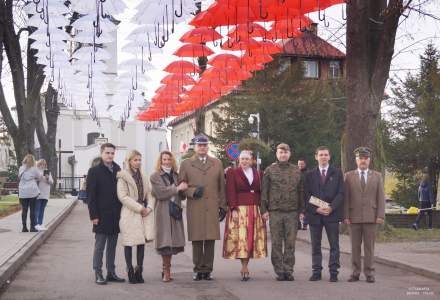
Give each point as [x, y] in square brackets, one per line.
[174, 209]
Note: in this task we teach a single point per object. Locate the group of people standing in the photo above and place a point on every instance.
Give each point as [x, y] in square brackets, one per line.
[143, 210]
[34, 185]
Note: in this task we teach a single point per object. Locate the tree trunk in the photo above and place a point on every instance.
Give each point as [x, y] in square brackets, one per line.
[47, 138]
[371, 32]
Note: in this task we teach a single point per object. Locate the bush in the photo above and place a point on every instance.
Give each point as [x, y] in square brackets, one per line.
[405, 192]
[12, 173]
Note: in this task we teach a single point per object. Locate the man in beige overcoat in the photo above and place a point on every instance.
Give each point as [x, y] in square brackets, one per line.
[364, 209]
[206, 205]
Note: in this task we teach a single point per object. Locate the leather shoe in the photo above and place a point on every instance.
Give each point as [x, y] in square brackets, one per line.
[333, 278]
[114, 278]
[208, 276]
[197, 276]
[370, 279]
[353, 278]
[281, 277]
[315, 277]
[289, 277]
[99, 279]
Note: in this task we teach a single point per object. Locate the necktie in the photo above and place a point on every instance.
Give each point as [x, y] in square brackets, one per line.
[323, 176]
[363, 182]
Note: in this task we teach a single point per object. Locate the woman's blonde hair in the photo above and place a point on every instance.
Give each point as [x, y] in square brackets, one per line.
[173, 161]
[29, 160]
[41, 162]
[130, 155]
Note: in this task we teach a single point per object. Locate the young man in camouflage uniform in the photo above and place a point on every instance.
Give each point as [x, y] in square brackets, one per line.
[282, 201]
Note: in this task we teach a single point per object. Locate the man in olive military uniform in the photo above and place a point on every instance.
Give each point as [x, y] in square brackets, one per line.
[282, 200]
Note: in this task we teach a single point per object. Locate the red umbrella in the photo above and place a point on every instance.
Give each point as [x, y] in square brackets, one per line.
[233, 44]
[250, 59]
[170, 89]
[200, 35]
[244, 31]
[267, 47]
[224, 61]
[179, 79]
[193, 50]
[182, 67]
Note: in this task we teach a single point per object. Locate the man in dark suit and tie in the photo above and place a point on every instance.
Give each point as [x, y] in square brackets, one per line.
[326, 183]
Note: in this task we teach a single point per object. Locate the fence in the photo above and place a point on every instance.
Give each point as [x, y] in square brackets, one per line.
[68, 184]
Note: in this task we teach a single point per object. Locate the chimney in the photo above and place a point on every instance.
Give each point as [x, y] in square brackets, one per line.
[313, 28]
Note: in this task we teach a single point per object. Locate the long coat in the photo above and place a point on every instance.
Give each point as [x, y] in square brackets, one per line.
[135, 229]
[332, 192]
[202, 214]
[364, 206]
[169, 231]
[102, 198]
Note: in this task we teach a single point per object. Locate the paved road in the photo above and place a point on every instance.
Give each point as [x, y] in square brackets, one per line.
[61, 269]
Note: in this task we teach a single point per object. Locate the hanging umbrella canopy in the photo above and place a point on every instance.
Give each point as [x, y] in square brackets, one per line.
[224, 61]
[254, 58]
[179, 79]
[240, 45]
[193, 50]
[182, 67]
[247, 30]
[200, 35]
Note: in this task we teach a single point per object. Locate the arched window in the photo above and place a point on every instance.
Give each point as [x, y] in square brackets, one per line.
[91, 137]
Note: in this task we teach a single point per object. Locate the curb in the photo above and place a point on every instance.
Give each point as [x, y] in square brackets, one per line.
[15, 262]
[392, 263]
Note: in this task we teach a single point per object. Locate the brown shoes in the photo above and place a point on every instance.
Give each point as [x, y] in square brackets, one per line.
[353, 278]
[166, 268]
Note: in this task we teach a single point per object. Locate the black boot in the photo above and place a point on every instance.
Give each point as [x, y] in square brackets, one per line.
[111, 276]
[138, 275]
[25, 229]
[131, 277]
[99, 279]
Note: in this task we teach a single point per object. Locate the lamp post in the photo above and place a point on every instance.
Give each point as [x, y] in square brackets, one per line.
[251, 120]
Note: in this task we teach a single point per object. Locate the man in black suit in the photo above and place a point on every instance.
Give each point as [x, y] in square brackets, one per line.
[326, 183]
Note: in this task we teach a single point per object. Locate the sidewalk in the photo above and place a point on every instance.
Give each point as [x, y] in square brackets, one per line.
[16, 247]
[419, 257]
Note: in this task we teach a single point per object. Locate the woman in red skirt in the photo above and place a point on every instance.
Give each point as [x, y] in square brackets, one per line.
[245, 231]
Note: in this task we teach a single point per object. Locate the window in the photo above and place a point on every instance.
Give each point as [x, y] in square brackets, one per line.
[160, 147]
[91, 137]
[334, 69]
[311, 69]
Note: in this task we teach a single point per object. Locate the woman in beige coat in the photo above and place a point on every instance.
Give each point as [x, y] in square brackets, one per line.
[170, 234]
[137, 217]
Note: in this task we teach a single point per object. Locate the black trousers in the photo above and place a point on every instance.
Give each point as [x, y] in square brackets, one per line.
[108, 241]
[140, 253]
[26, 204]
[332, 231]
[203, 256]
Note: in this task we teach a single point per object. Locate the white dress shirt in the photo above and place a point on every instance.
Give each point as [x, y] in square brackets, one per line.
[249, 174]
[365, 174]
[323, 168]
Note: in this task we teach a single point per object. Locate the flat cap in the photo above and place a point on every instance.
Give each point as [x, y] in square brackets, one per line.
[362, 152]
[283, 146]
[199, 140]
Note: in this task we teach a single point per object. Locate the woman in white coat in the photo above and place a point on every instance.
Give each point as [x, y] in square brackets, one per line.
[137, 218]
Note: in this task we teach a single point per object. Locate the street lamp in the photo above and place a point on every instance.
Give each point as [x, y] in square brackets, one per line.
[251, 120]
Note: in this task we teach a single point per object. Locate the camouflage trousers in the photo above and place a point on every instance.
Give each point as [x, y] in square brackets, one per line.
[283, 229]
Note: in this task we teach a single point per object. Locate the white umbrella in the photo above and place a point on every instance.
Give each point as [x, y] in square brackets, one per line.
[87, 37]
[86, 22]
[54, 21]
[84, 52]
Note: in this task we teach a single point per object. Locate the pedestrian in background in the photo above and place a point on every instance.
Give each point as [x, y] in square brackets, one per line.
[426, 201]
[170, 234]
[44, 185]
[104, 211]
[206, 205]
[282, 200]
[137, 218]
[364, 209]
[82, 194]
[302, 165]
[245, 231]
[28, 191]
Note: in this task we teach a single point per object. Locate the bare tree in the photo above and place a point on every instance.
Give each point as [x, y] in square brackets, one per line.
[371, 34]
